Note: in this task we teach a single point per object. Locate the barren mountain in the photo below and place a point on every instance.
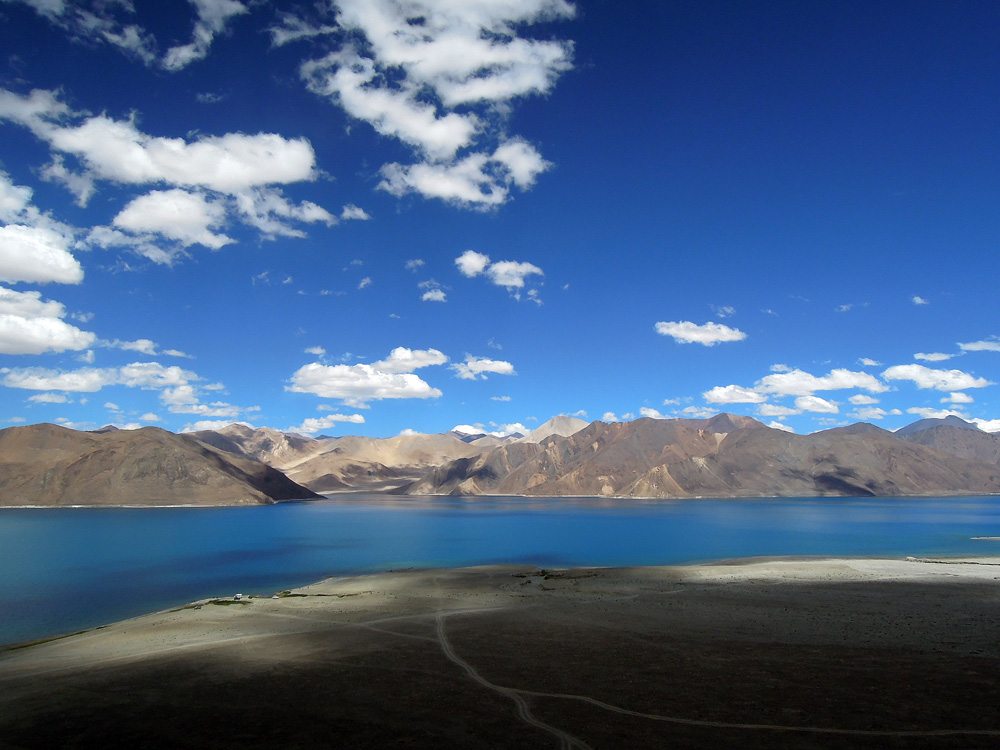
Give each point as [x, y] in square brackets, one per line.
[968, 443]
[562, 425]
[48, 465]
[360, 463]
[723, 456]
[274, 448]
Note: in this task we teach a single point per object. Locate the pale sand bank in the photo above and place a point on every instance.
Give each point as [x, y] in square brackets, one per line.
[766, 653]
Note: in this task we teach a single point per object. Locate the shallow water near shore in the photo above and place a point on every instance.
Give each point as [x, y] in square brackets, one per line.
[66, 569]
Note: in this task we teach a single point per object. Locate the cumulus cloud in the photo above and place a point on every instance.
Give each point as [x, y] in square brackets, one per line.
[708, 334]
[509, 274]
[774, 425]
[816, 404]
[928, 413]
[402, 359]
[733, 394]
[776, 410]
[646, 411]
[932, 356]
[312, 425]
[318, 351]
[917, 300]
[350, 212]
[358, 384]
[33, 246]
[118, 151]
[478, 367]
[434, 295]
[801, 383]
[869, 362]
[867, 413]
[471, 264]
[958, 397]
[609, 416]
[986, 425]
[175, 214]
[942, 380]
[435, 76]
[29, 325]
[860, 399]
[212, 424]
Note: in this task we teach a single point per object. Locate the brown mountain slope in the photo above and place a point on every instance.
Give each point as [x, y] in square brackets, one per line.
[361, 463]
[719, 457]
[958, 441]
[48, 465]
[272, 447]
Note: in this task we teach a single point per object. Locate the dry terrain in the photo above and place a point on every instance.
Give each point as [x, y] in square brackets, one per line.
[762, 654]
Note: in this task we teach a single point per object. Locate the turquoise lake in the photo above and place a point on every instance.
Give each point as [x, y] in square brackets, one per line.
[66, 569]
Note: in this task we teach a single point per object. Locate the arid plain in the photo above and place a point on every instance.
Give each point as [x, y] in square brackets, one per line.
[762, 653]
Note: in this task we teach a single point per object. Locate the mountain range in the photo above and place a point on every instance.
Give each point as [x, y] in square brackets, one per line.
[724, 456]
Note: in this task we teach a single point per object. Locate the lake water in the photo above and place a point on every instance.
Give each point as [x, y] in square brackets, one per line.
[66, 569]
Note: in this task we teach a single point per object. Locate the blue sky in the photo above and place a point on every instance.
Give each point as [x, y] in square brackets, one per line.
[374, 216]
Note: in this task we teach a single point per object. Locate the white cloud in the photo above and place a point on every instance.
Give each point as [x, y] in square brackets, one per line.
[358, 384]
[365, 282]
[942, 380]
[917, 300]
[269, 211]
[867, 413]
[860, 399]
[646, 411]
[988, 345]
[709, 334]
[471, 264]
[500, 398]
[212, 424]
[433, 295]
[690, 412]
[868, 362]
[776, 410]
[928, 413]
[987, 425]
[801, 383]
[38, 255]
[505, 430]
[435, 75]
[30, 326]
[816, 404]
[609, 416]
[294, 28]
[780, 426]
[402, 359]
[414, 264]
[143, 346]
[932, 356]
[350, 212]
[509, 274]
[213, 15]
[117, 150]
[733, 394]
[312, 425]
[477, 367]
[86, 380]
[958, 397]
[319, 351]
[49, 398]
[175, 214]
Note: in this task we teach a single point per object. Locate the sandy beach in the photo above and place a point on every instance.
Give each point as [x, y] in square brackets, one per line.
[764, 653]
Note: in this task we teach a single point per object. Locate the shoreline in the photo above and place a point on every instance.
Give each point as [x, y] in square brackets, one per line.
[768, 652]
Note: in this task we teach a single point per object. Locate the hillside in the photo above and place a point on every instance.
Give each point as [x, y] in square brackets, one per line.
[48, 465]
[725, 456]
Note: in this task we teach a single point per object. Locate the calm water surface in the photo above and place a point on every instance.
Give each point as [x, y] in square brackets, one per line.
[66, 569]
